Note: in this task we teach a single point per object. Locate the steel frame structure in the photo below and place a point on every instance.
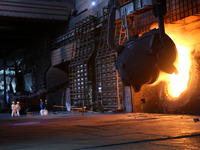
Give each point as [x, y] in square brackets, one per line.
[109, 85]
[176, 10]
[81, 77]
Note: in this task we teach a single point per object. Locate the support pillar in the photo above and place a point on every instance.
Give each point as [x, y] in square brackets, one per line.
[4, 79]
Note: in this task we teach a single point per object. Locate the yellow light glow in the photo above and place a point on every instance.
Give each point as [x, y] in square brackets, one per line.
[178, 83]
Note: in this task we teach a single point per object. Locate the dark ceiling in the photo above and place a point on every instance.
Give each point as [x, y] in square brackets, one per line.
[16, 34]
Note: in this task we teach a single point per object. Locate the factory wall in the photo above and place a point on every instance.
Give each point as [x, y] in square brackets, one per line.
[85, 9]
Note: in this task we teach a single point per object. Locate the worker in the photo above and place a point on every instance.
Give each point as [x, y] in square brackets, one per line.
[13, 107]
[46, 105]
[18, 108]
[46, 108]
[41, 107]
[41, 104]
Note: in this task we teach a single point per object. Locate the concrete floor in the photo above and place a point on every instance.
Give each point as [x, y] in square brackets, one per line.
[99, 132]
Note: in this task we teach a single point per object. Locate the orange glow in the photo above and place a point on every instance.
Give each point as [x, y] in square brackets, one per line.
[185, 34]
[178, 83]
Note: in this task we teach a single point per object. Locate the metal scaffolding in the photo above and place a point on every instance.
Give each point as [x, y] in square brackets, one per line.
[107, 80]
[81, 68]
[176, 10]
[179, 9]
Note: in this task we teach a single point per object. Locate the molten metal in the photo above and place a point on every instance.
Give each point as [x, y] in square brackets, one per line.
[178, 83]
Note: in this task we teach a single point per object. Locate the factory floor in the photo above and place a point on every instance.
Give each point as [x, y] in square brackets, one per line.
[63, 131]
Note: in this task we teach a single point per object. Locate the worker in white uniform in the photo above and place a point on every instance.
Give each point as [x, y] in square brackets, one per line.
[18, 109]
[13, 107]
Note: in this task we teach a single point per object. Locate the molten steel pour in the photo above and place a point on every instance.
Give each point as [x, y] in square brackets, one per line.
[178, 83]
